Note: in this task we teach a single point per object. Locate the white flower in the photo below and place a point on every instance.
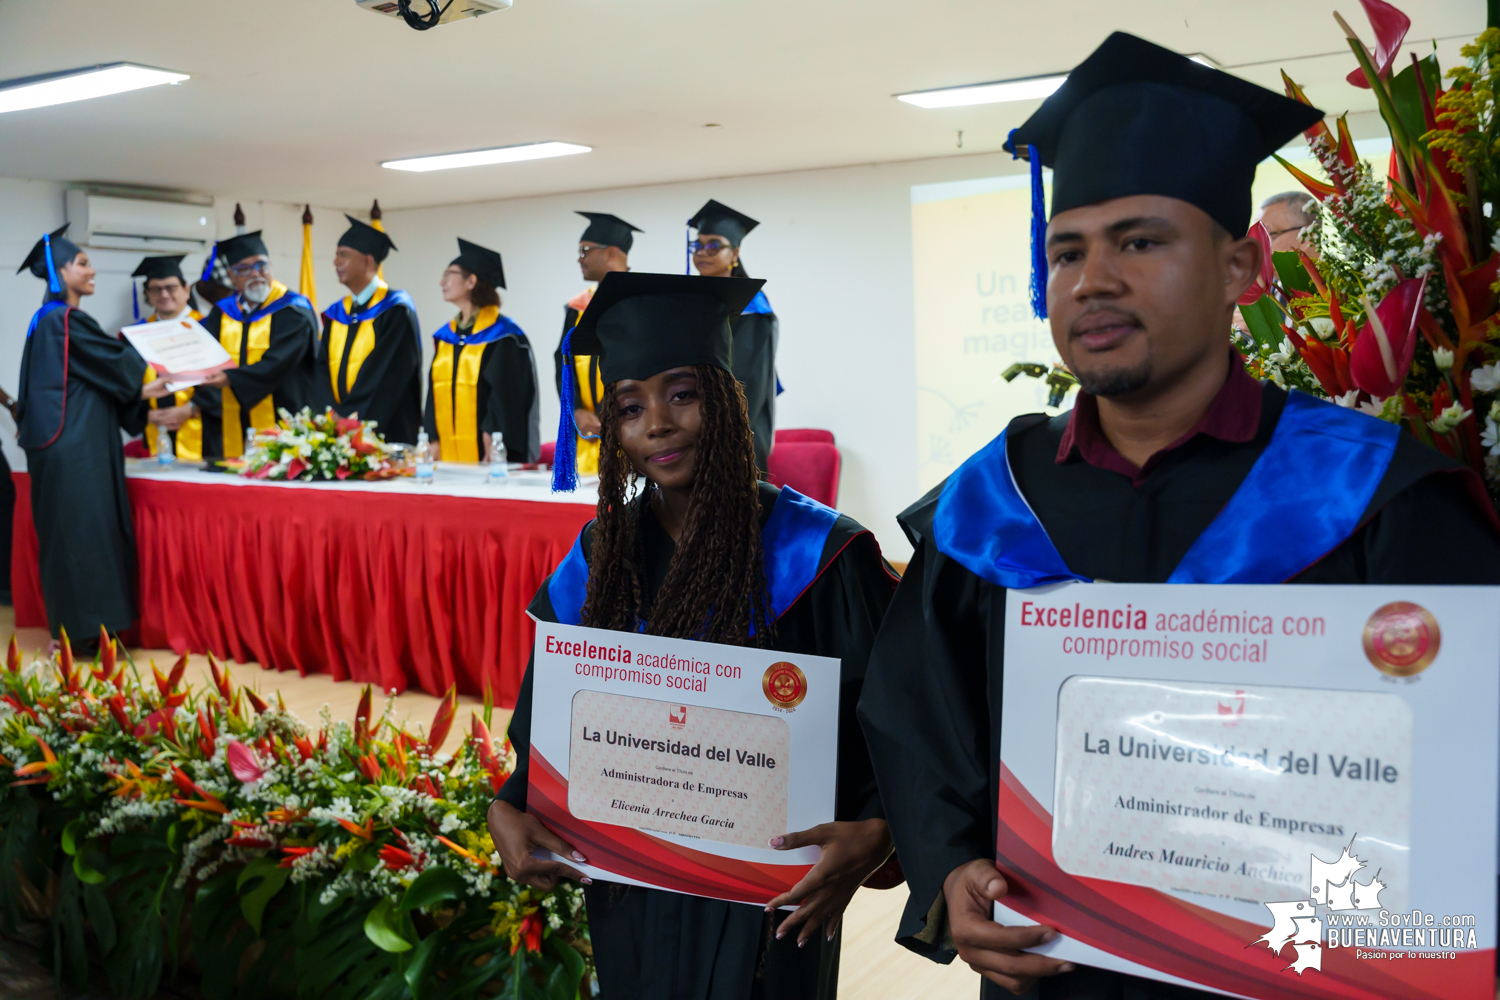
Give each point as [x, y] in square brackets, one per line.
[1442, 357]
[1347, 399]
[1323, 327]
[1486, 379]
[1491, 438]
[1448, 419]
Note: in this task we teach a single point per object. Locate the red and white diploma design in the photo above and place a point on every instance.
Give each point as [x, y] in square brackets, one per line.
[670, 763]
[1263, 791]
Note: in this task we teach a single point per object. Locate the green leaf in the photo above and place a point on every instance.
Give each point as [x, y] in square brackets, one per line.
[86, 872]
[1290, 270]
[253, 903]
[1264, 321]
[1408, 99]
[433, 886]
[564, 981]
[70, 836]
[96, 905]
[384, 927]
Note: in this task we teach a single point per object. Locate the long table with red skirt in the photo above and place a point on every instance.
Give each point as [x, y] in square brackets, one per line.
[389, 583]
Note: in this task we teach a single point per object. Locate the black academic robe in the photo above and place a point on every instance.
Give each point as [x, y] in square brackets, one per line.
[504, 395]
[650, 944]
[79, 386]
[755, 338]
[934, 732]
[269, 379]
[387, 382]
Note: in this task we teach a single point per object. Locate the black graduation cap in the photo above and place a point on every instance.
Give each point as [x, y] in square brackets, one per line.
[608, 230]
[63, 252]
[640, 324]
[480, 261]
[1136, 118]
[366, 238]
[721, 220]
[161, 267]
[237, 248]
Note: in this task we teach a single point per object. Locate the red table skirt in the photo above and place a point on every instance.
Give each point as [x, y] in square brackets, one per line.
[391, 589]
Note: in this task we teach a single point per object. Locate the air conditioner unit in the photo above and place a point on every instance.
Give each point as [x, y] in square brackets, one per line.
[105, 222]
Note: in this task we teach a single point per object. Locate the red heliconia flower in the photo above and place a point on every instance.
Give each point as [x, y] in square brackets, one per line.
[531, 933]
[496, 770]
[362, 727]
[1383, 348]
[347, 424]
[221, 679]
[256, 701]
[65, 661]
[395, 858]
[161, 719]
[1390, 31]
[207, 734]
[1267, 276]
[366, 832]
[243, 763]
[304, 747]
[117, 709]
[426, 786]
[175, 678]
[293, 853]
[186, 785]
[13, 656]
[369, 766]
[106, 656]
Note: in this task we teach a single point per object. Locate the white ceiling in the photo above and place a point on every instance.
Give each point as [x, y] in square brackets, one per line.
[300, 100]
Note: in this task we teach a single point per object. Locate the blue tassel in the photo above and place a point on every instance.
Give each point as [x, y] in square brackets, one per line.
[208, 268]
[135, 307]
[565, 458]
[53, 285]
[687, 250]
[1038, 229]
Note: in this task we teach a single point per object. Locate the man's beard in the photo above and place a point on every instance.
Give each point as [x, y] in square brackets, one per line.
[1116, 381]
[257, 291]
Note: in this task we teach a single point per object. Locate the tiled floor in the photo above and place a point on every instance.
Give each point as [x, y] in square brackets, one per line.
[872, 965]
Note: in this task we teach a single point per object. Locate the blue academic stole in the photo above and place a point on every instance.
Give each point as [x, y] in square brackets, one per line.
[792, 542]
[759, 306]
[231, 307]
[1303, 496]
[482, 333]
[393, 297]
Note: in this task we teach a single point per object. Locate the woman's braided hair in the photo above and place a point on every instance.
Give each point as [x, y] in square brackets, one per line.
[715, 588]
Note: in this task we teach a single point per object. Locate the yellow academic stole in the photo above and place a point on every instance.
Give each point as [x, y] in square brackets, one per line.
[190, 434]
[455, 391]
[232, 334]
[590, 392]
[364, 343]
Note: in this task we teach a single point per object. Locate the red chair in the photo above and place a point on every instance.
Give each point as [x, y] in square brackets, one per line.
[809, 467]
[804, 434]
[549, 449]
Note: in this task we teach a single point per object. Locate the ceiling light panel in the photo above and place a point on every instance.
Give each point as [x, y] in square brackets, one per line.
[80, 85]
[481, 157]
[1031, 89]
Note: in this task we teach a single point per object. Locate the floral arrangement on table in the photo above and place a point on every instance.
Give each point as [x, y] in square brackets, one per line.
[321, 446]
[152, 826]
[1396, 313]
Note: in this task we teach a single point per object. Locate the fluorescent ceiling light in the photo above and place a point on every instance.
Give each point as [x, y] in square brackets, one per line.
[1032, 89]
[479, 157]
[80, 85]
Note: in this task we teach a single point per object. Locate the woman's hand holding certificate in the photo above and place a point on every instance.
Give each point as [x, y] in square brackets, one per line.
[851, 852]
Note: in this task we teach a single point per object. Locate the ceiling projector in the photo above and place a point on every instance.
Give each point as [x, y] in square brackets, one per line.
[424, 14]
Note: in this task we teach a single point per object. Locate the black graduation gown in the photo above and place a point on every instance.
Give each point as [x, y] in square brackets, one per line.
[388, 387]
[755, 338]
[79, 386]
[934, 733]
[284, 373]
[505, 402]
[650, 944]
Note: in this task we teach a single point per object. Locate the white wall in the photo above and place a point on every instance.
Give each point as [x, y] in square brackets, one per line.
[835, 246]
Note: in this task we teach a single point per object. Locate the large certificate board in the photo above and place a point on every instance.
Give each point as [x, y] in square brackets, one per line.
[1280, 791]
[671, 764]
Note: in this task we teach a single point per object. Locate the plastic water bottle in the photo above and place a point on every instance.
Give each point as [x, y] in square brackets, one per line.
[250, 435]
[498, 472]
[424, 459]
[166, 450]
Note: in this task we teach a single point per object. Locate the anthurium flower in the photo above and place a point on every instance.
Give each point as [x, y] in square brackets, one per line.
[1390, 31]
[1267, 276]
[1383, 348]
[242, 762]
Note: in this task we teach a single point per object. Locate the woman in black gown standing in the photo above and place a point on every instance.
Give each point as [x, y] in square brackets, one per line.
[79, 386]
[703, 550]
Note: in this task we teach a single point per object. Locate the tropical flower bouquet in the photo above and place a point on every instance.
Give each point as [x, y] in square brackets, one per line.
[1395, 310]
[156, 829]
[322, 446]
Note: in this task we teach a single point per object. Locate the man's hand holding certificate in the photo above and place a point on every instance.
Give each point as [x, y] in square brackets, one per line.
[179, 349]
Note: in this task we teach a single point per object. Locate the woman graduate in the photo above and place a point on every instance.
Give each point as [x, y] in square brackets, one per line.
[79, 386]
[482, 380]
[716, 254]
[688, 543]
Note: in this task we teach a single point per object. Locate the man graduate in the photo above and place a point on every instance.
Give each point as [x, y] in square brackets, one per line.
[170, 296]
[370, 354]
[716, 253]
[79, 386]
[603, 247]
[1173, 466]
[269, 330]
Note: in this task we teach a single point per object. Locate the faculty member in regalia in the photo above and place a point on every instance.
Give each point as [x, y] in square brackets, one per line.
[604, 247]
[370, 354]
[482, 380]
[170, 297]
[704, 550]
[79, 387]
[1173, 466]
[269, 331]
[716, 254]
